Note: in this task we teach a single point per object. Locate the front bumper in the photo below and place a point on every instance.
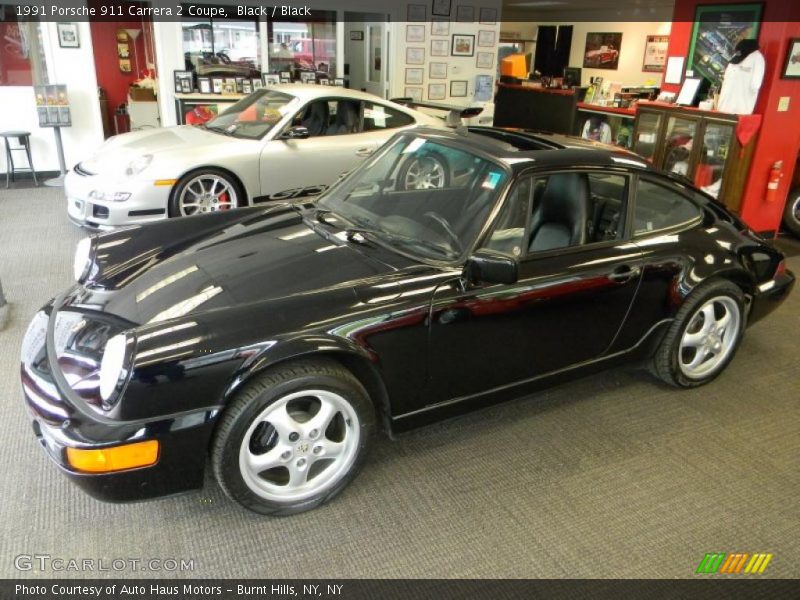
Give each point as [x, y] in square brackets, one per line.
[147, 202]
[770, 295]
[62, 420]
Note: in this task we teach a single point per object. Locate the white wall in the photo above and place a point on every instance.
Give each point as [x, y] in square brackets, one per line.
[73, 67]
[634, 37]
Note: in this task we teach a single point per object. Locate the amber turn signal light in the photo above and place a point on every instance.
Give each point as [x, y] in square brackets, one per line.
[117, 458]
[165, 182]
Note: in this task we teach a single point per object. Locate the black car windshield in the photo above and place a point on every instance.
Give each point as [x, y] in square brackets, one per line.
[252, 117]
[420, 196]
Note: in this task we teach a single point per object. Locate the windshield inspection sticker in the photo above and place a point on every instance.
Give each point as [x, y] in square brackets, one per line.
[491, 181]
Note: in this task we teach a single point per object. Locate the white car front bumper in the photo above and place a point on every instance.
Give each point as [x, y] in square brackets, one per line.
[90, 203]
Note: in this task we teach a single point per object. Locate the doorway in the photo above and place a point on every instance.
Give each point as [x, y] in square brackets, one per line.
[366, 56]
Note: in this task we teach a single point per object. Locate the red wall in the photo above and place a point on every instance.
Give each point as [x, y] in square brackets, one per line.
[779, 136]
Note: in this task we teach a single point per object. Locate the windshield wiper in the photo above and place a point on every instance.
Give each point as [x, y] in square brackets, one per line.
[397, 238]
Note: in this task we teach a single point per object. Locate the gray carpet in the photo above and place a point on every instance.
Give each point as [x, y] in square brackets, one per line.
[610, 476]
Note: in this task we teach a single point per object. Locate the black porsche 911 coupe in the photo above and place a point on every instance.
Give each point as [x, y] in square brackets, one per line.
[451, 270]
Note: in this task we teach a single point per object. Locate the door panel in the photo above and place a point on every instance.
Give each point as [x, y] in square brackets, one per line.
[566, 308]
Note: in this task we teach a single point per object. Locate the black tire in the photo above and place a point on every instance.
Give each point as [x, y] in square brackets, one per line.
[258, 395]
[665, 361]
[178, 188]
[791, 214]
[433, 157]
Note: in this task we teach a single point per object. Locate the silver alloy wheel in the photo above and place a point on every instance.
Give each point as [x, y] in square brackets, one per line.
[206, 193]
[796, 209]
[710, 337]
[300, 445]
[424, 173]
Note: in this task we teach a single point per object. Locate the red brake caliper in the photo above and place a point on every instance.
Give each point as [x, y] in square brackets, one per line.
[223, 197]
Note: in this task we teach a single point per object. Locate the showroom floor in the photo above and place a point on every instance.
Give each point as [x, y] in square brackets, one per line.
[610, 476]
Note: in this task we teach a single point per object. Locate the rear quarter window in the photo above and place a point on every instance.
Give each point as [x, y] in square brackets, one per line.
[659, 207]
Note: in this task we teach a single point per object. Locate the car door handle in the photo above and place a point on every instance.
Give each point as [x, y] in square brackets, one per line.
[624, 274]
[364, 151]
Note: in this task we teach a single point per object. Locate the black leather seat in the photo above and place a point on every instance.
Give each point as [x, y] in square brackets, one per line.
[561, 216]
[316, 118]
[346, 118]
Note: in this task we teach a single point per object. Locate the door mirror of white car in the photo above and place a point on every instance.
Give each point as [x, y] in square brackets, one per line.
[486, 266]
[298, 132]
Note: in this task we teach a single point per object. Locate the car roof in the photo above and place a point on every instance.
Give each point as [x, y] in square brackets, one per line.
[521, 148]
[311, 91]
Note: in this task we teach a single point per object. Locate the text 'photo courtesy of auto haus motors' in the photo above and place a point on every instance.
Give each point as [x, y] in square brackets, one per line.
[273, 342]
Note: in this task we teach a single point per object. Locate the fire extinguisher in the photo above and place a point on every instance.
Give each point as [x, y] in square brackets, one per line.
[775, 174]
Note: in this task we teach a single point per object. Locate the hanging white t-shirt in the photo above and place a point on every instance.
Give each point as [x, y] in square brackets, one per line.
[740, 85]
[601, 134]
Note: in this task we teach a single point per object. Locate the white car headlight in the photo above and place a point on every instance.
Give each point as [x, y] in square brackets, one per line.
[137, 165]
[112, 366]
[83, 260]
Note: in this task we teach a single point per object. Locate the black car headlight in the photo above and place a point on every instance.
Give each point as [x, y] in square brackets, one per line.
[82, 263]
[115, 367]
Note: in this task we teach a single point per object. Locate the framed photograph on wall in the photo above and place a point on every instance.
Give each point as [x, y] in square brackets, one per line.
[68, 36]
[716, 31]
[655, 53]
[414, 76]
[486, 37]
[485, 60]
[417, 12]
[441, 8]
[440, 26]
[415, 93]
[791, 67]
[437, 91]
[463, 45]
[602, 50]
[437, 70]
[458, 89]
[440, 47]
[488, 16]
[415, 33]
[415, 56]
[357, 35]
[465, 14]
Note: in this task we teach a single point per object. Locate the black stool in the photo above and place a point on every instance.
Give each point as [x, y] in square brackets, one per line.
[23, 139]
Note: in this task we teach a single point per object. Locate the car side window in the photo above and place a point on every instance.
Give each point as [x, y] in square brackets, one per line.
[330, 117]
[658, 207]
[378, 117]
[575, 209]
[508, 233]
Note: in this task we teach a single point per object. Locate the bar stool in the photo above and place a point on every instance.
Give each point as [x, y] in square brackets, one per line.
[23, 139]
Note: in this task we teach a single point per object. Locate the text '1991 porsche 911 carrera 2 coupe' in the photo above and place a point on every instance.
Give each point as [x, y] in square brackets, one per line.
[451, 270]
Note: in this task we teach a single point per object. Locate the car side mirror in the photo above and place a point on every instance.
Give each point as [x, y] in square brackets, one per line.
[298, 132]
[486, 266]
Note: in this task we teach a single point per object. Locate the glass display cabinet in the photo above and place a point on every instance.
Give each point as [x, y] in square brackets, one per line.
[699, 145]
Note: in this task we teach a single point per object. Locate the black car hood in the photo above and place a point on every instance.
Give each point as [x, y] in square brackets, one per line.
[176, 268]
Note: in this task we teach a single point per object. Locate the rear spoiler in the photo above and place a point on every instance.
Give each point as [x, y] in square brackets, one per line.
[454, 113]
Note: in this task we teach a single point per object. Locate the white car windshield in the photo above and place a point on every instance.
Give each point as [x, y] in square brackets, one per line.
[252, 117]
[420, 196]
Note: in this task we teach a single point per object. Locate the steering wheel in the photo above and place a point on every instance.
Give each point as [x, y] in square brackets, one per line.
[445, 225]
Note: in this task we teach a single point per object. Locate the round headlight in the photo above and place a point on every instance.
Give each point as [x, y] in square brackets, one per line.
[82, 261]
[137, 165]
[112, 365]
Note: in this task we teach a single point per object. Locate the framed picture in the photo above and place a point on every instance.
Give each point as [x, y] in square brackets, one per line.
[415, 33]
[441, 8]
[68, 35]
[415, 56]
[689, 89]
[125, 65]
[123, 50]
[357, 36]
[417, 12]
[324, 81]
[229, 85]
[602, 50]
[484, 88]
[240, 85]
[285, 80]
[486, 37]
[465, 14]
[414, 76]
[440, 26]
[463, 45]
[308, 77]
[286, 75]
[257, 83]
[488, 16]
[485, 60]
[437, 91]
[655, 53]
[216, 85]
[183, 81]
[458, 89]
[247, 86]
[271, 78]
[415, 93]
[338, 82]
[440, 47]
[716, 31]
[791, 67]
[204, 85]
[437, 70]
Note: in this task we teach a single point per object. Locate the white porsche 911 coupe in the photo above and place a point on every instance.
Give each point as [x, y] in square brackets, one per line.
[281, 142]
